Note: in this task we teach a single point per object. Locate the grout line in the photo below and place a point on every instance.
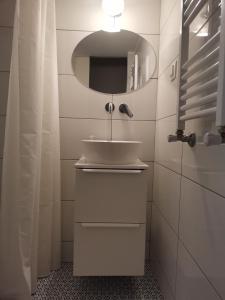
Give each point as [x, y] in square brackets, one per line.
[162, 268]
[192, 180]
[73, 75]
[133, 120]
[6, 26]
[66, 241]
[75, 30]
[160, 73]
[166, 117]
[179, 219]
[200, 268]
[93, 31]
[73, 159]
[167, 168]
[165, 219]
[76, 159]
[62, 241]
[2, 71]
[62, 200]
[168, 17]
[84, 118]
[109, 119]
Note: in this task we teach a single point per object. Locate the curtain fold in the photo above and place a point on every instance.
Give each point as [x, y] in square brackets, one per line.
[30, 196]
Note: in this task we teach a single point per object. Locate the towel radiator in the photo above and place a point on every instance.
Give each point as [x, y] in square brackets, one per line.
[202, 69]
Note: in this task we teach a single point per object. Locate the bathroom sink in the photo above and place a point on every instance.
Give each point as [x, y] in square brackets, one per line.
[111, 151]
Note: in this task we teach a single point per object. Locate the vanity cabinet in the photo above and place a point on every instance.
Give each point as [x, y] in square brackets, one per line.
[110, 222]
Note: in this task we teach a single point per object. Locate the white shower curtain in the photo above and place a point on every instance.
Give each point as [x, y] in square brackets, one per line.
[30, 199]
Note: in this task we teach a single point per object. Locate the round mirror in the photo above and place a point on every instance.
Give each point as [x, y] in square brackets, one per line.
[114, 63]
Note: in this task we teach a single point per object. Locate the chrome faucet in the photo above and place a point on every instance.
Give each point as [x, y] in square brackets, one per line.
[109, 107]
[124, 109]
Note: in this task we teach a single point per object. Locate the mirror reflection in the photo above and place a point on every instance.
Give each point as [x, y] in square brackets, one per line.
[114, 63]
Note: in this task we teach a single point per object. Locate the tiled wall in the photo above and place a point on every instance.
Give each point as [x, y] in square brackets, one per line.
[188, 240]
[6, 33]
[82, 111]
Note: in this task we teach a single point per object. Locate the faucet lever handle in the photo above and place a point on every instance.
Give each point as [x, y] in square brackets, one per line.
[124, 109]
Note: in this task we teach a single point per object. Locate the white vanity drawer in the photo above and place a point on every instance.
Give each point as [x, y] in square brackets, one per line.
[109, 249]
[111, 196]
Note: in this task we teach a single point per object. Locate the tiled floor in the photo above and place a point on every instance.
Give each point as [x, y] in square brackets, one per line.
[62, 285]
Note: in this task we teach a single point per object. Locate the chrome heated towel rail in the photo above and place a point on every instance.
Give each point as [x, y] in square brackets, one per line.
[202, 69]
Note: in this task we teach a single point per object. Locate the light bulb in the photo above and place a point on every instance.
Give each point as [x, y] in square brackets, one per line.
[113, 7]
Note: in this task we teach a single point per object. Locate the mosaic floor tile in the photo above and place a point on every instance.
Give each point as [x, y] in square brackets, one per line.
[61, 285]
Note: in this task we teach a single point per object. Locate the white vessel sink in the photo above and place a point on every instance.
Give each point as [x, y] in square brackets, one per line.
[111, 152]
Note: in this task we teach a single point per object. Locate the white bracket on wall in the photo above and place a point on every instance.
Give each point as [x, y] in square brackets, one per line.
[173, 72]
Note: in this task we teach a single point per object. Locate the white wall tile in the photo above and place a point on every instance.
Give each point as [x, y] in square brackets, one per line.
[142, 18]
[191, 283]
[170, 38]
[66, 43]
[166, 8]
[202, 226]
[167, 194]
[142, 103]
[154, 55]
[79, 15]
[78, 101]
[164, 246]
[150, 174]
[4, 85]
[5, 48]
[68, 177]
[167, 94]
[137, 130]
[204, 164]
[67, 221]
[67, 251]
[167, 154]
[2, 135]
[7, 12]
[75, 130]
[0, 177]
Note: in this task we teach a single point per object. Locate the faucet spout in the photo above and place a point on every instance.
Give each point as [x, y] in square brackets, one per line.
[124, 109]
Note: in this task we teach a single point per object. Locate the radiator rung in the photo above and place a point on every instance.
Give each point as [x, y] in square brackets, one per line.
[202, 76]
[189, 7]
[199, 89]
[201, 63]
[199, 114]
[214, 39]
[204, 100]
[194, 12]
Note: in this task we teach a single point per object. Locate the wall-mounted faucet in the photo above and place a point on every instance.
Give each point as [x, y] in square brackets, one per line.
[124, 109]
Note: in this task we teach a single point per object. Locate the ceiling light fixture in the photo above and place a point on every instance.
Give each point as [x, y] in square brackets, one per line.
[113, 10]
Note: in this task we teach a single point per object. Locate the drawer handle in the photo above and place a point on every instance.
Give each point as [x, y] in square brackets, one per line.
[111, 171]
[109, 225]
